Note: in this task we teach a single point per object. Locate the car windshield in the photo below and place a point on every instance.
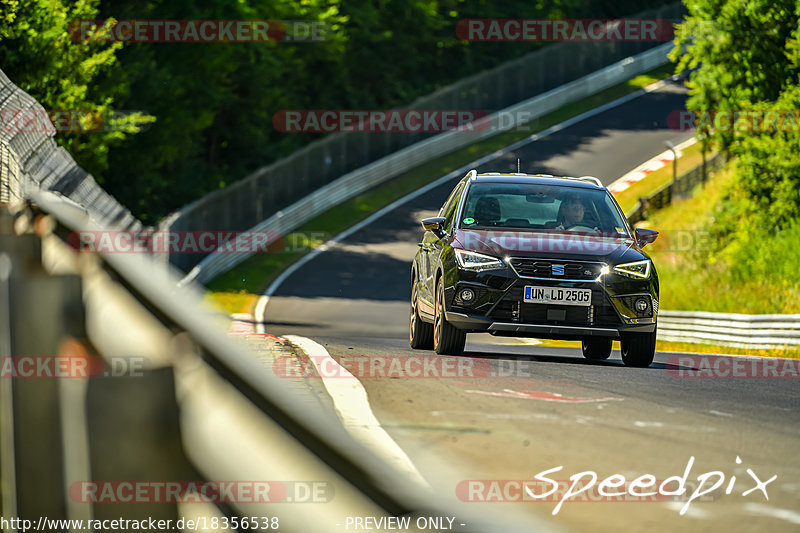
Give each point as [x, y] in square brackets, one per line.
[540, 207]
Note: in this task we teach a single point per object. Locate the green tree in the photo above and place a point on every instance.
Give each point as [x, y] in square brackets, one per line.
[746, 57]
[214, 102]
[38, 53]
[737, 51]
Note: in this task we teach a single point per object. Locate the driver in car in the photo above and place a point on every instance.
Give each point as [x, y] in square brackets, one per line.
[572, 211]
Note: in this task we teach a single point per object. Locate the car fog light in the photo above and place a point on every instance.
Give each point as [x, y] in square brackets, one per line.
[641, 305]
[467, 295]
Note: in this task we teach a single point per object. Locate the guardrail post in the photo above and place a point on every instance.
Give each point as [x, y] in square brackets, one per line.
[703, 167]
[39, 311]
[59, 434]
[134, 436]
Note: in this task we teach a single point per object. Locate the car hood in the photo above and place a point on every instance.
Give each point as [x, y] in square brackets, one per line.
[575, 246]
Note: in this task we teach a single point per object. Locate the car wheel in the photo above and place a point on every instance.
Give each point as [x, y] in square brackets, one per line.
[638, 349]
[447, 339]
[596, 348]
[420, 333]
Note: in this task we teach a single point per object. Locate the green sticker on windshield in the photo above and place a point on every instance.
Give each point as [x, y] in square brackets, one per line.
[469, 221]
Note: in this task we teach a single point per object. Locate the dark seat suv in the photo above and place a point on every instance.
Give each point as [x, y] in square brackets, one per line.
[534, 256]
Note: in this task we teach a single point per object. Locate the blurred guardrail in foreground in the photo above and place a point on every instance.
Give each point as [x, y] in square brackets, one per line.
[112, 376]
[681, 186]
[364, 178]
[561, 73]
[113, 379]
[727, 329]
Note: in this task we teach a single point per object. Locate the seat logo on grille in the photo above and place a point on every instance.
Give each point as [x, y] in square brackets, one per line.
[558, 270]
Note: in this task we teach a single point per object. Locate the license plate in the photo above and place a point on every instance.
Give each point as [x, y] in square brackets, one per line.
[557, 295]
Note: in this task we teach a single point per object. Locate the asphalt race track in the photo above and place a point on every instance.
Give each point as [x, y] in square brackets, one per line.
[523, 409]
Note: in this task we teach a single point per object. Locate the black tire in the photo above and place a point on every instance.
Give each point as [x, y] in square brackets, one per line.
[420, 333]
[596, 348]
[638, 349]
[447, 339]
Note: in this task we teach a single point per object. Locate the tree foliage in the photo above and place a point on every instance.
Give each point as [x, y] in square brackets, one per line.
[213, 102]
[38, 54]
[746, 57]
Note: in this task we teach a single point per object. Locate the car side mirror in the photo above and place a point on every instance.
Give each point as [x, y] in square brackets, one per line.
[645, 236]
[433, 223]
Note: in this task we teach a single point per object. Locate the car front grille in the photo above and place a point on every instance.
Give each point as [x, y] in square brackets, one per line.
[543, 268]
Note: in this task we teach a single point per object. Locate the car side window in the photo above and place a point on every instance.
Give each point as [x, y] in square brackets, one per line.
[450, 208]
[450, 199]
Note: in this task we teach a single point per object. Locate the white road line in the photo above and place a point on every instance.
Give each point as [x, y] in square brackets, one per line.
[261, 305]
[719, 413]
[773, 512]
[350, 400]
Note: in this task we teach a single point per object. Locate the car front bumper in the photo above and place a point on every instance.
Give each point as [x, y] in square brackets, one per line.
[499, 307]
[476, 323]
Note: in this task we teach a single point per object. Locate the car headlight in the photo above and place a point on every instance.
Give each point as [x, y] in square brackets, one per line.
[637, 269]
[476, 261]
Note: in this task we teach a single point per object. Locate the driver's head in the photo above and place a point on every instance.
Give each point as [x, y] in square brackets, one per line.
[487, 210]
[573, 208]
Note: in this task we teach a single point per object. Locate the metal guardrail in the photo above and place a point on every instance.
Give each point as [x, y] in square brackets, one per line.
[10, 176]
[736, 330]
[200, 407]
[384, 169]
[30, 160]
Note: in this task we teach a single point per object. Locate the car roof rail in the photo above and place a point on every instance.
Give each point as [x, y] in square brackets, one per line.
[590, 179]
[473, 174]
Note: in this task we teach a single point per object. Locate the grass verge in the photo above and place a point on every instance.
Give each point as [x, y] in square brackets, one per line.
[237, 291]
[691, 281]
[690, 158]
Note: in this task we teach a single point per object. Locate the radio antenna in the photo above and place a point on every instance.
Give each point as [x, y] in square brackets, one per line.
[518, 165]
